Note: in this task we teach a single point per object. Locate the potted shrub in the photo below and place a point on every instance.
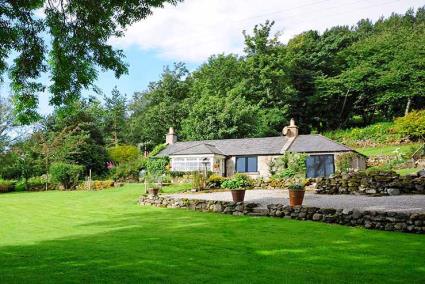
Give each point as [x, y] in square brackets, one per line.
[153, 190]
[237, 185]
[296, 194]
[154, 182]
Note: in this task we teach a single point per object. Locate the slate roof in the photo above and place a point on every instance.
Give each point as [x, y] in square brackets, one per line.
[255, 146]
[202, 148]
[316, 143]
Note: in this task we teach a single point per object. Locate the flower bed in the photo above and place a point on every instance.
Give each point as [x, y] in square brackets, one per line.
[97, 185]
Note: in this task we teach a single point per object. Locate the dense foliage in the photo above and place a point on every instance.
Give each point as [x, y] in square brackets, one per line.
[66, 174]
[408, 127]
[238, 181]
[349, 82]
[157, 166]
[289, 165]
[70, 40]
[128, 171]
[123, 153]
[344, 77]
[378, 133]
[411, 125]
[215, 181]
[343, 162]
[7, 185]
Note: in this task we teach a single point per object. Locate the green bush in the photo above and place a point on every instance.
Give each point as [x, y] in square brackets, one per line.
[198, 180]
[123, 153]
[411, 125]
[289, 165]
[34, 184]
[378, 133]
[128, 171]
[175, 174]
[157, 166]
[166, 179]
[296, 186]
[215, 181]
[96, 185]
[238, 181]
[7, 185]
[377, 170]
[66, 174]
[158, 148]
[344, 162]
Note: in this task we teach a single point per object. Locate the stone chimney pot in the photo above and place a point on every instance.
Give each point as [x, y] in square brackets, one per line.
[171, 136]
[290, 131]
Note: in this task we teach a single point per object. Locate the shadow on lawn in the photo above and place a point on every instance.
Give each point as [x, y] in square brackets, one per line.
[160, 245]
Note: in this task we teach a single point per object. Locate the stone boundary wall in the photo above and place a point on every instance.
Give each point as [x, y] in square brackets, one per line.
[374, 183]
[388, 221]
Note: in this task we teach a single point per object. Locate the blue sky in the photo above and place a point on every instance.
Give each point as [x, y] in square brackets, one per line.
[196, 29]
[145, 67]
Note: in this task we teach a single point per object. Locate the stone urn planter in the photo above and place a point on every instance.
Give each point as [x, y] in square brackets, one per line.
[153, 191]
[296, 194]
[238, 195]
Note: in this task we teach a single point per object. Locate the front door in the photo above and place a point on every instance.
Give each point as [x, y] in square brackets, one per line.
[320, 166]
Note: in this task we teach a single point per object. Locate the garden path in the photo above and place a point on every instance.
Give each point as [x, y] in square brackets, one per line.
[399, 203]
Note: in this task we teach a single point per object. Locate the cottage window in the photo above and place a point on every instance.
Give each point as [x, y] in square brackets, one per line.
[246, 164]
[188, 164]
[320, 166]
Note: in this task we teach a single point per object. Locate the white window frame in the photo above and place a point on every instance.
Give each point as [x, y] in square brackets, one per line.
[189, 163]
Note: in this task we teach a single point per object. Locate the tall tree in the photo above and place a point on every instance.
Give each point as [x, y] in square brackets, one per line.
[6, 122]
[163, 105]
[214, 117]
[79, 31]
[383, 72]
[218, 76]
[85, 119]
[115, 118]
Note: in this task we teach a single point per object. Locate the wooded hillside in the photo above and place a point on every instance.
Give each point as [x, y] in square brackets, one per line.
[344, 77]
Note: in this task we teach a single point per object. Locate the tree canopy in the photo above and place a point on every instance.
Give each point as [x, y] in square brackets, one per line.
[70, 41]
[343, 77]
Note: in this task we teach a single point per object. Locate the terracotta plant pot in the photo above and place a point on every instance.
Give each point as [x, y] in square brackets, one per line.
[238, 195]
[153, 191]
[296, 197]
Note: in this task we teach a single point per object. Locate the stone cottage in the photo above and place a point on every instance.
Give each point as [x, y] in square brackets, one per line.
[253, 155]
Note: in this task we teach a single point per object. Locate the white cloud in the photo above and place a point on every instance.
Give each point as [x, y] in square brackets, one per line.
[196, 29]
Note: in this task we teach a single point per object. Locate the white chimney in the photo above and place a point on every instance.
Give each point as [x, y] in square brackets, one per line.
[171, 137]
[290, 131]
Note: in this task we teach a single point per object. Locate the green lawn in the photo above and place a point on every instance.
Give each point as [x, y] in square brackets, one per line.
[92, 237]
[177, 188]
[407, 171]
[386, 150]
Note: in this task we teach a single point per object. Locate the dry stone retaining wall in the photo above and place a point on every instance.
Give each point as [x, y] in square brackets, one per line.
[389, 221]
[374, 183]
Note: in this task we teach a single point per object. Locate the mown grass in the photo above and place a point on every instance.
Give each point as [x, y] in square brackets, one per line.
[408, 171]
[175, 188]
[388, 150]
[106, 237]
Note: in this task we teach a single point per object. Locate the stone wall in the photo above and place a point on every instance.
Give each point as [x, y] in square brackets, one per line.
[357, 161]
[374, 183]
[389, 221]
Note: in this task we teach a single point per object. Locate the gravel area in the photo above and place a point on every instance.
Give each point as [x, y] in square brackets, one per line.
[406, 203]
